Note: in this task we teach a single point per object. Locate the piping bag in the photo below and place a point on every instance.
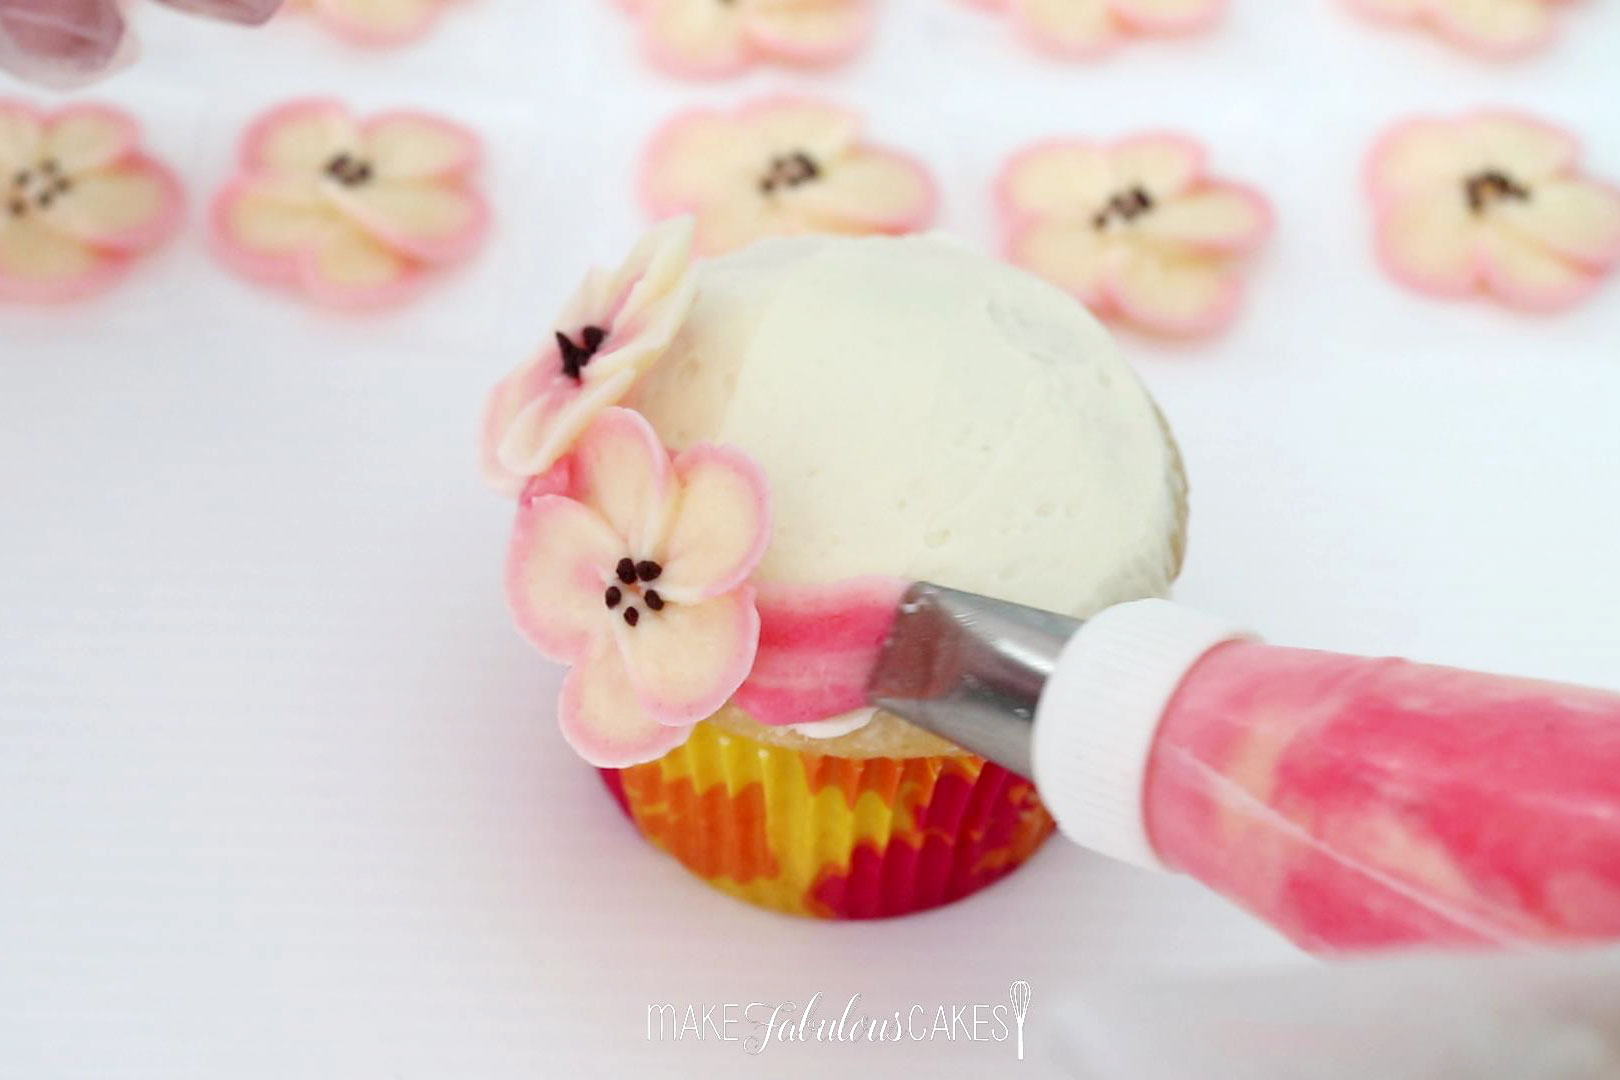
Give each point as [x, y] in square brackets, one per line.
[1352, 803]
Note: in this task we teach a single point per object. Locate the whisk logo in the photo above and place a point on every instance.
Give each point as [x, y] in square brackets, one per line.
[758, 1025]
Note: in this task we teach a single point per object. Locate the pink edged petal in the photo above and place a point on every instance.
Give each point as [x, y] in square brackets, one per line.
[823, 32]
[1169, 16]
[728, 226]
[1163, 164]
[1529, 275]
[548, 424]
[379, 22]
[21, 131]
[686, 660]
[785, 125]
[602, 720]
[872, 189]
[695, 37]
[85, 137]
[1430, 243]
[558, 565]
[434, 221]
[818, 647]
[1390, 10]
[414, 145]
[623, 472]
[349, 269]
[1418, 156]
[42, 264]
[1174, 295]
[695, 159]
[1214, 218]
[1071, 28]
[652, 294]
[501, 410]
[719, 527]
[133, 206]
[1498, 28]
[1578, 219]
[260, 227]
[299, 137]
[1074, 257]
[1527, 148]
[1056, 179]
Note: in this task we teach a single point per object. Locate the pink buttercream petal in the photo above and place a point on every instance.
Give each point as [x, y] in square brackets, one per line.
[650, 295]
[300, 137]
[1213, 218]
[1165, 165]
[695, 37]
[1520, 143]
[695, 159]
[1056, 179]
[414, 145]
[812, 33]
[1499, 28]
[686, 660]
[1578, 219]
[379, 22]
[85, 137]
[1074, 257]
[434, 221]
[1430, 243]
[350, 269]
[729, 226]
[21, 132]
[44, 264]
[132, 206]
[501, 409]
[604, 722]
[556, 414]
[623, 472]
[1169, 16]
[818, 647]
[1418, 155]
[1075, 28]
[872, 189]
[261, 227]
[1175, 295]
[558, 566]
[1530, 275]
[720, 524]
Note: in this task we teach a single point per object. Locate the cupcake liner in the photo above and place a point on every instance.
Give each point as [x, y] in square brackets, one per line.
[832, 837]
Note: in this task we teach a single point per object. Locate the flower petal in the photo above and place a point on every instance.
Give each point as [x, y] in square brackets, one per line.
[1068, 27]
[350, 269]
[299, 137]
[558, 565]
[1577, 219]
[379, 22]
[38, 262]
[501, 410]
[546, 427]
[1529, 275]
[87, 137]
[1525, 147]
[260, 226]
[727, 226]
[720, 525]
[810, 33]
[602, 720]
[623, 472]
[871, 189]
[1217, 218]
[1164, 165]
[650, 294]
[1174, 295]
[1169, 16]
[21, 131]
[412, 145]
[1430, 243]
[1074, 257]
[1419, 156]
[133, 206]
[1068, 180]
[688, 659]
[698, 158]
[695, 37]
[1496, 27]
[432, 221]
[788, 125]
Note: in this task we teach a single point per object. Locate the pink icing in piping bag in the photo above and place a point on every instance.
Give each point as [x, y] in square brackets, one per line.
[1352, 803]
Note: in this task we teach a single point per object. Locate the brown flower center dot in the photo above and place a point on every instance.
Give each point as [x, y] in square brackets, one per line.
[348, 170]
[789, 171]
[613, 597]
[576, 355]
[1492, 186]
[1125, 205]
[626, 570]
[631, 616]
[37, 187]
[654, 601]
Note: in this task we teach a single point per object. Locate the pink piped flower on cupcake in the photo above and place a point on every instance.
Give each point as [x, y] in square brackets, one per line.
[1135, 229]
[608, 335]
[711, 38]
[79, 201]
[376, 22]
[1495, 203]
[1502, 29]
[354, 213]
[633, 569]
[780, 168]
[1081, 29]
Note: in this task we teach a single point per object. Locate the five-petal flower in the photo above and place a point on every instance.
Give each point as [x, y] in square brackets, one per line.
[608, 335]
[1134, 229]
[781, 167]
[634, 569]
[357, 214]
[78, 201]
[1496, 28]
[723, 37]
[1492, 202]
[1087, 28]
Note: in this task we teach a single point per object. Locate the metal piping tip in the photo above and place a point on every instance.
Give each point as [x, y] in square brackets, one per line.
[970, 669]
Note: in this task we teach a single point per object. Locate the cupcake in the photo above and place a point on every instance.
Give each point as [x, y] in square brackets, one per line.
[727, 473]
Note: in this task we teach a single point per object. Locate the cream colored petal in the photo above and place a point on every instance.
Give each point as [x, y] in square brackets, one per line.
[1172, 294]
[718, 526]
[788, 126]
[652, 291]
[1431, 243]
[808, 32]
[273, 220]
[701, 36]
[1069, 26]
[602, 720]
[1530, 275]
[1168, 15]
[546, 427]
[87, 137]
[1067, 181]
[431, 220]
[413, 146]
[1520, 146]
[622, 472]
[557, 568]
[1073, 256]
[1392, 9]
[20, 136]
[1496, 25]
[698, 159]
[350, 268]
[301, 137]
[1163, 165]
[1221, 218]
[36, 254]
[1575, 218]
[738, 222]
[686, 660]
[1421, 156]
[869, 190]
[380, 19]
[113, 204]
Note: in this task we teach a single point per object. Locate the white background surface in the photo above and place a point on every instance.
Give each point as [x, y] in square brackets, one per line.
[280, 795]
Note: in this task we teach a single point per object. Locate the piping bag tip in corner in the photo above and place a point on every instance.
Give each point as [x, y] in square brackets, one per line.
[1350, 802]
